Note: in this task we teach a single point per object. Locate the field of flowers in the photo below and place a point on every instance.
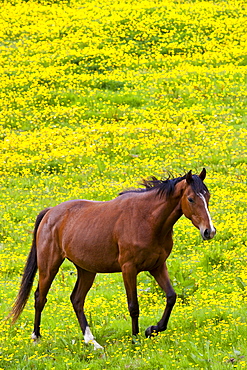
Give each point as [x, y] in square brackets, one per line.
[95, 96]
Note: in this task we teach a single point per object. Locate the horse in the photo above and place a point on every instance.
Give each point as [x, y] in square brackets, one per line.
[128, 234]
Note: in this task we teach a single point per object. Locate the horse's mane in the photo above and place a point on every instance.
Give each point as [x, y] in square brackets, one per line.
[166, 187]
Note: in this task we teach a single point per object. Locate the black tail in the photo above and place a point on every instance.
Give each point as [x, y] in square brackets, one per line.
[28, 275]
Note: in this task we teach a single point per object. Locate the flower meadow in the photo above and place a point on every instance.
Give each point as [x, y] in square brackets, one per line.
[96, 96]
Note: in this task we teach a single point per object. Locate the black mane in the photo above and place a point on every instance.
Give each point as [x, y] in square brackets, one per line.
[166, 187]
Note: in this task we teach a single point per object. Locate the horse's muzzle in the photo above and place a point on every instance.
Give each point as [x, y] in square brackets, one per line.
[208, 234]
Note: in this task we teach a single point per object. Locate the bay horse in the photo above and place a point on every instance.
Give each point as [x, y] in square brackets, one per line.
[128, 234]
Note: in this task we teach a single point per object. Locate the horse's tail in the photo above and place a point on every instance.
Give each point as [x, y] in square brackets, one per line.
[28, 275]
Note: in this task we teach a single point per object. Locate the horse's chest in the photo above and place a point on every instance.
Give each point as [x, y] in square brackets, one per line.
[146, 260]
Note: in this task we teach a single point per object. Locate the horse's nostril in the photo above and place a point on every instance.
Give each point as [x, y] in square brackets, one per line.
[206, 234]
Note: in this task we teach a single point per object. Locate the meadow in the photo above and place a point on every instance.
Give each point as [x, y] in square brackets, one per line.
[94, 97]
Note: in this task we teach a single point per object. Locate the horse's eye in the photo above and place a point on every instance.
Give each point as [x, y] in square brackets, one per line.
[191, 200]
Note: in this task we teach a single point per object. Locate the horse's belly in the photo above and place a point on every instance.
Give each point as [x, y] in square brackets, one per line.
[97, 253]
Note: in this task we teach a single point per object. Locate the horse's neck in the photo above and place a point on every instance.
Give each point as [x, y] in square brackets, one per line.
[167, 210]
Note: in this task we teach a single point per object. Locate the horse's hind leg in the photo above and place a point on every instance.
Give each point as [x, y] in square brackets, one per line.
[84, 282]
[47, 271]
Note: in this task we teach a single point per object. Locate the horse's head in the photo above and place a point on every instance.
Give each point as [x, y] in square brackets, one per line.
[194, 203]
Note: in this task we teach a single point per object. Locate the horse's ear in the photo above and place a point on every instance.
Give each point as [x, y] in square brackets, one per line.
[203, 174]
[189, 177]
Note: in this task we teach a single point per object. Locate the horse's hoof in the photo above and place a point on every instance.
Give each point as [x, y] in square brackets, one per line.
[151, 331]
[97, 346]
[35, 338]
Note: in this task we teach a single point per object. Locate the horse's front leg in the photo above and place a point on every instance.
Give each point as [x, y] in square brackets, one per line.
[129, 276]
[161, 276]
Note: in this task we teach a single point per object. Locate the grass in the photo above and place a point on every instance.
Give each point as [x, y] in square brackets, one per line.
[96, 96]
